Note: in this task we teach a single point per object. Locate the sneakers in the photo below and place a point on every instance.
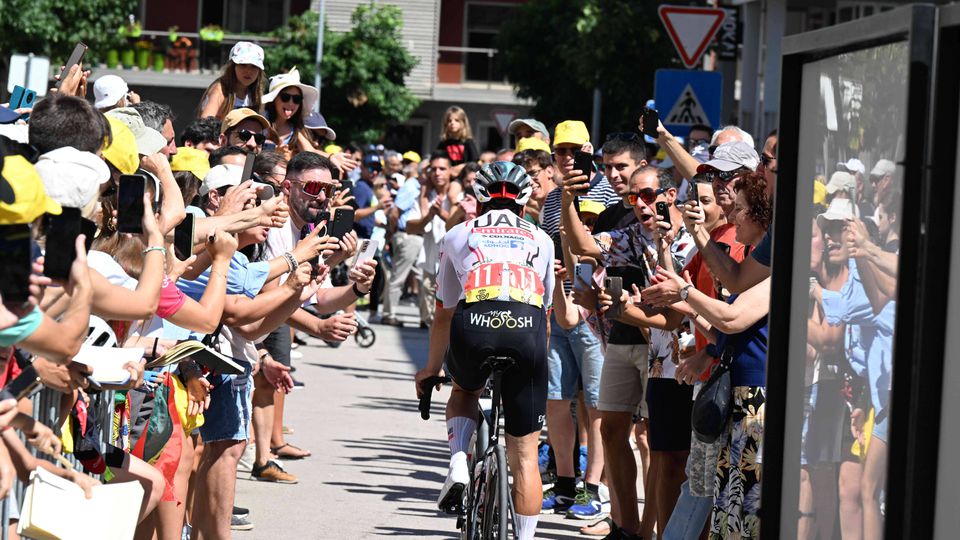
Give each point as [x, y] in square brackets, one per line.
[295, 355]
[391, 321]
[238, 523]
[586, 505]
[555, 503]
[273, 472]
[297, 385]
[241, 511]
[451, 495]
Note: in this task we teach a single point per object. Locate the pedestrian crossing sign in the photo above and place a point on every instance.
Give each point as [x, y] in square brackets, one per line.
[693, 97]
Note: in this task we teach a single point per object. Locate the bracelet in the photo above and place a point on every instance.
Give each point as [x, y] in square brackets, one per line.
[217, 272]
[356, 291]
[292, 263]
[161, 249]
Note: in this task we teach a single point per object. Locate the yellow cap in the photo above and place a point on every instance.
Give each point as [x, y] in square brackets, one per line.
[122, 152]
[570, 132]
[412, 156]
[23, 198]
[591, 207]
[332, 149]
[819, 193]
[191, 159]
[532, 143]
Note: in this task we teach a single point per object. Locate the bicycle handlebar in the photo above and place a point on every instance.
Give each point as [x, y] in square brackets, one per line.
[427, 387]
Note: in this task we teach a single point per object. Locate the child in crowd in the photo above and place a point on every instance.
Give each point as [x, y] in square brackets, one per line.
[240, 84]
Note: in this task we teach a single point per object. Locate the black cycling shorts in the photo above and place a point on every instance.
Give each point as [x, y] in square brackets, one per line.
[669, 406]
[483, 329]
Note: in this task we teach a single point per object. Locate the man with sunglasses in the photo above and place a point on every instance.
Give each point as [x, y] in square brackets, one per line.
[245, 128]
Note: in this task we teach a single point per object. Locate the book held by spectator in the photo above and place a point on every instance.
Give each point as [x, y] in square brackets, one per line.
[108, 362]
[199, 353]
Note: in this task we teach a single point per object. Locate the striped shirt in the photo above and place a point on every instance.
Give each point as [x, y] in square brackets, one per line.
[600, 191]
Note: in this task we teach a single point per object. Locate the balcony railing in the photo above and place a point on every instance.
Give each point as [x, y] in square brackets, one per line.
[153, 50]
[480, 64]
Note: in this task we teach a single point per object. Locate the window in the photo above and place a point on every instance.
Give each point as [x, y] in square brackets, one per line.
[245, 16]
[482, 26]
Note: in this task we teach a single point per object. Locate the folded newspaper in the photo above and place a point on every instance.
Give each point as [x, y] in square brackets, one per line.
[55, 508]
[199, 353]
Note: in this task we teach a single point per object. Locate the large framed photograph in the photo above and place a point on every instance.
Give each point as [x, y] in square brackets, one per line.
[847, 270]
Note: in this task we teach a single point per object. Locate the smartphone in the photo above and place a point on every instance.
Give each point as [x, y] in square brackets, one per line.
[17, 263]
[583, 277]
[61, 232]
[248, 167]
[322, 217]
[22, 98]
[265, 192]
[557, 248]
[183, 238]
[335, 173]
[614, 287]
[75, 58]
[89, 230]
[651, 120]
[130, 203]
[366, 251]
[583, 162]
[663, 212]
[22, 385]
[342, 223]
[693, 194]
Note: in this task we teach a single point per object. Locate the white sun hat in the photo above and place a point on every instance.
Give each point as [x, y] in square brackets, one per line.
[286, 80]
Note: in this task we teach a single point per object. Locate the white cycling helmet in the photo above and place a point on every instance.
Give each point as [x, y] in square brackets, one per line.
[503, 180]
[100, 334]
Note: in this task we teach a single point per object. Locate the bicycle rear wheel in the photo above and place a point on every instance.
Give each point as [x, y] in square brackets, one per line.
[496, 515]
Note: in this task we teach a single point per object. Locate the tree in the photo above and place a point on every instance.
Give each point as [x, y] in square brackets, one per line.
[557, 51]
[53, 27]
[362, 72]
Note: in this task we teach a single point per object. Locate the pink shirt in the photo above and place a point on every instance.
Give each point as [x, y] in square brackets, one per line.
[171, 298]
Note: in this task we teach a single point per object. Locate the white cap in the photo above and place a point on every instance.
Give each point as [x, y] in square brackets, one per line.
[839, 210]
[108, 90]
[149, 140]
[852, 165]
[219, 176]
[71, 177]
[883, 167]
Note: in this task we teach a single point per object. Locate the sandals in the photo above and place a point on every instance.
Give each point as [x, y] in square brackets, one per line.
[297, 453]
[600, 528]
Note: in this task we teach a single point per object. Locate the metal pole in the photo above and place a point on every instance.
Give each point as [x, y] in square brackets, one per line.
[316, 77]
[595, 124]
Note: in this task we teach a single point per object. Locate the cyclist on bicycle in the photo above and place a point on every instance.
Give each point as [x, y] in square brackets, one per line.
[494, 288]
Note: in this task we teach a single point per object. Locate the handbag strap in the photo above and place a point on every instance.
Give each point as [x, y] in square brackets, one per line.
[210, 340]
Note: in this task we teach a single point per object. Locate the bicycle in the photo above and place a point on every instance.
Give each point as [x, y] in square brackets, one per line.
[487, 509]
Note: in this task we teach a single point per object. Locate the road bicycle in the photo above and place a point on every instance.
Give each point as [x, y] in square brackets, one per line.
[486, 511]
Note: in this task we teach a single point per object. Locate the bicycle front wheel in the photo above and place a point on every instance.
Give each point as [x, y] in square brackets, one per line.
[496, 515]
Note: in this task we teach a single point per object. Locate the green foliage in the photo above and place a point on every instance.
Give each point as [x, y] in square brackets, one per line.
[362, 73]
[52, 27]
[557, 51]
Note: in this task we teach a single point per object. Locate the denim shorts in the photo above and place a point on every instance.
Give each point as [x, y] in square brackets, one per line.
[574, 357]
[228, 418]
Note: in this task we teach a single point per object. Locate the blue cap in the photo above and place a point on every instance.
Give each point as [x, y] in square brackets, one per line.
[8, 115]
[372, 159]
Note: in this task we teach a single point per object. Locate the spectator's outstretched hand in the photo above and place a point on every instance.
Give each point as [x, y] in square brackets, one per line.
[362, 274]
[338, 327]
[74, 82]
[274, 212]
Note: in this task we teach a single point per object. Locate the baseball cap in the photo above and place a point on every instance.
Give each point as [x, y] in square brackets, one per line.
[72, 177]
[122, 151]
[411, 156]
[839, 210]
[883, 168]
[532, 143]
[108, 90]
[852, 165]
[732, 156]
[333, 149]
[372, 159]
[570, 132]
[191, 159]
[219, 176]
[29, 198]
[536, 125]
[841, 181]
[316, 121]
[819, 193]
[245, 52]
[149, 140]
[591, 207]
[236, 116]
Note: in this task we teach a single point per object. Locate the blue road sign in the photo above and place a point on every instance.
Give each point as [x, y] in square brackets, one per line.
[685, 98]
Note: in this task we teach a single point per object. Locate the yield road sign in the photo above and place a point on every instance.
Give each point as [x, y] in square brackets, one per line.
[502, 119]
[691, 29]
[693, 97]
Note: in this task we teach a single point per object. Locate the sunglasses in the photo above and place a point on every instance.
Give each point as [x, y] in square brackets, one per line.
[295, 98]
[245, 134]
[563, 151]
[647, 195]
[533, 173]
[313, 189]
[623, 136]
[693, 143]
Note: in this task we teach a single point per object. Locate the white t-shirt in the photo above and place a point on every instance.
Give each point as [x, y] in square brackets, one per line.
[108, 267]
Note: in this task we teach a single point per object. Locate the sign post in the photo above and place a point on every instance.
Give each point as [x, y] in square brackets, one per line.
[691, 29]
[693, 97]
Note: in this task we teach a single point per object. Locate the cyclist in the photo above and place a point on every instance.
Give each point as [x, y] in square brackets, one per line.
[494, 288]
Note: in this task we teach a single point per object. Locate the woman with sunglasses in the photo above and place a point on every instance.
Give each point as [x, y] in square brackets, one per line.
[287, 104]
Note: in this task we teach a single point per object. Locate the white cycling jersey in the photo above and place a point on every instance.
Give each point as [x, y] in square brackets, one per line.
[496, 256]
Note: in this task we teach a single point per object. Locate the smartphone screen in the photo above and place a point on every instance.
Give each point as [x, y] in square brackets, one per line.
[130, 203]
[342, 223]
[183, 238]
[651, 119]
[663, 211]
[75, 57]
[693, 194]
[61, 250]
[17, 263]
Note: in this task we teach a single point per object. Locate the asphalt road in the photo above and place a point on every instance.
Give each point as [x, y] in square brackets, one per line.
[376, 468]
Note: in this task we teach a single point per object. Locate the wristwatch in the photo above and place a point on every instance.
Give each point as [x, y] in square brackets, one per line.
[685, 292]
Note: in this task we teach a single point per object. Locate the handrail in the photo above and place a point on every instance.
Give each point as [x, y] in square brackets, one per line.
[447, 48]
[226, 37]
